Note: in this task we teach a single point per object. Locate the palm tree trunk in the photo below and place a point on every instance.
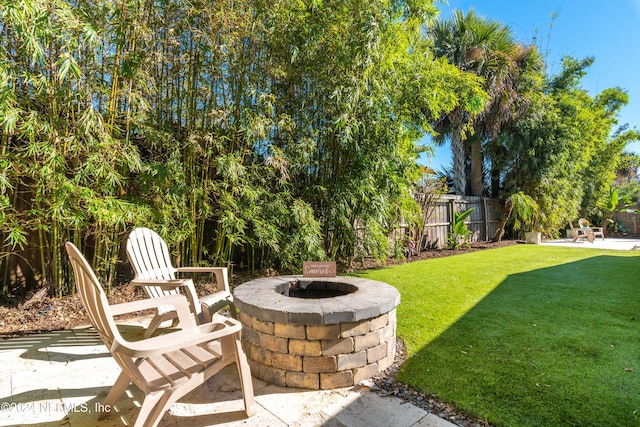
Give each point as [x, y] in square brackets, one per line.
[457, 147]
[476, 166]
[496, 169]
[508, 207]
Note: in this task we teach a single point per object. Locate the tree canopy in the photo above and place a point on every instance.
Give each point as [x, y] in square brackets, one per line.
[540, 135]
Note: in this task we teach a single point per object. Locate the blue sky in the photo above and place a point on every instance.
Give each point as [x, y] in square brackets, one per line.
[608, 31]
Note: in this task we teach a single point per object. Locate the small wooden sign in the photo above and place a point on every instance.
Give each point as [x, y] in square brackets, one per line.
[319, 269]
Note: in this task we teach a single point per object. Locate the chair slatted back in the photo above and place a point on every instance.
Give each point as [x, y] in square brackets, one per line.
[97, 306]
[150, 259]
[93, 296]
[169, 368]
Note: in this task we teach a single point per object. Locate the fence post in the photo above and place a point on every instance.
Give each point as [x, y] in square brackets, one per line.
[485, 219]
[452, 212]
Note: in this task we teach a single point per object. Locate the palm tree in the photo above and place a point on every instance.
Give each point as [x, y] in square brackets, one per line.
[450, 40]
[488, 49]
[509, 84]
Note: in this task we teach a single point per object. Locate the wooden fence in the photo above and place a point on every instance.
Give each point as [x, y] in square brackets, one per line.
[483, 221]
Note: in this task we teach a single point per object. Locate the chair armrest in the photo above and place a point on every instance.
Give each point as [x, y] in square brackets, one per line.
[165, 284]
[172, 284]
[179, 302]
[214, 302]
[163, 344]
[221, 273]
[216, 298]
[199, 269]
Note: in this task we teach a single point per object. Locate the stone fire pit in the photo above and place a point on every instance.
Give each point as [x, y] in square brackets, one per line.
[317, 333]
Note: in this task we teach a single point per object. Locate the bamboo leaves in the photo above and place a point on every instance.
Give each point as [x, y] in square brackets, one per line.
[65, 64]
[258, 132]
[64, 169]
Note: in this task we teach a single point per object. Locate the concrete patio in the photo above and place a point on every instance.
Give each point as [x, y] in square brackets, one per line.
[61, 378]
[615, 243]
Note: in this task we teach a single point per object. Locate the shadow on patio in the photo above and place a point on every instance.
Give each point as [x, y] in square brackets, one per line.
[61, 378]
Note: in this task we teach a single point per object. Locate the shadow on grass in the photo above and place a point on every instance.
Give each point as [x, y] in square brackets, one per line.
[553, 346]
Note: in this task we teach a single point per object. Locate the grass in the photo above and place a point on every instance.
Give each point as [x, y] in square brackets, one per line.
[525, 335]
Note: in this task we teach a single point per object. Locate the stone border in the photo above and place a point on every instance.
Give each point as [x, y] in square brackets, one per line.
[319, 356]
[319, 343]
[259, 298]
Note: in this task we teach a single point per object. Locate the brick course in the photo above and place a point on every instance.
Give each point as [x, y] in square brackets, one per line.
[290, 331]
[318, 364]
[303, 380]
[323, 332]
[260, 326]
[336, 380]
[353, 329]
[319, 356]
[305, 348]
[339, 346]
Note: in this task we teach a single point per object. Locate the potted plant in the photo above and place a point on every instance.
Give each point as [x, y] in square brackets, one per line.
[525, 217]
[523, 211]
[533, 237]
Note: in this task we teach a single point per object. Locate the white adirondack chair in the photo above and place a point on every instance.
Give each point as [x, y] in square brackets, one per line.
[164, 367]
[149, 256]
[597, 231]
[582, 232]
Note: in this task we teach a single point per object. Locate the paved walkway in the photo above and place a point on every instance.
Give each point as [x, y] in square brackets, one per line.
[608, 243]
[61, 378]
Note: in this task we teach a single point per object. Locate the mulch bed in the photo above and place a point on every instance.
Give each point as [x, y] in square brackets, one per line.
[42, 313]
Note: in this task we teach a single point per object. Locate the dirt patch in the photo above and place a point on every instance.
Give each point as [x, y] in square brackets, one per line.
[41, 313]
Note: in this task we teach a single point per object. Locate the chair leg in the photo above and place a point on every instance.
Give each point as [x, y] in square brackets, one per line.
[155, 322]
[154, 406]
[244, 372]
[119, 387]
[207, 312]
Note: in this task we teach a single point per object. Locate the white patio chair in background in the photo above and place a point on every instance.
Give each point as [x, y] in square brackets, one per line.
[149, 256]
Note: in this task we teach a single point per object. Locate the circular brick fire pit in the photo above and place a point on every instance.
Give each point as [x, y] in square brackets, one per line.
[317, 333]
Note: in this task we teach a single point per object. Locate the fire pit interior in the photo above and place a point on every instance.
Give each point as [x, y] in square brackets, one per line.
[319, 333]
[315, 289]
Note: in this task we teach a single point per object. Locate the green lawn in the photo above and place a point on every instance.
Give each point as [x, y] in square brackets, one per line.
[525, 335]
